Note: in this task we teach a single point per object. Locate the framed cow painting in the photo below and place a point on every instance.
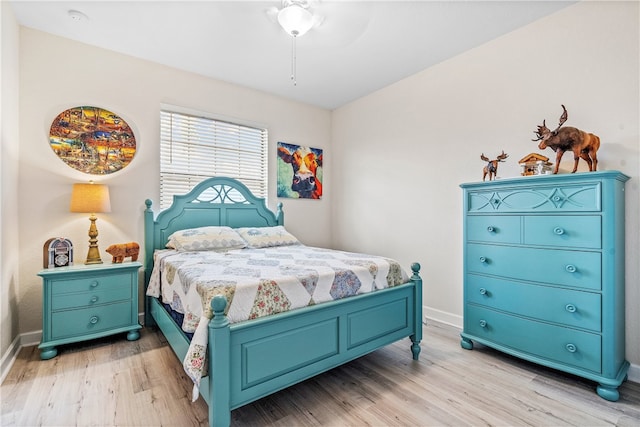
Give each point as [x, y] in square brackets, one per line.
[299, 171]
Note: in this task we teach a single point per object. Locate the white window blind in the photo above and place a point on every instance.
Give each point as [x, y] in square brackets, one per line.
[193, 148]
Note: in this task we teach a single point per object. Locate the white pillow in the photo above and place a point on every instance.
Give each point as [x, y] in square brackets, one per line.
[264, 237]
[211, 238]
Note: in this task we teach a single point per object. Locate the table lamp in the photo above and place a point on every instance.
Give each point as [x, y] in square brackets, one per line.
[91, 198]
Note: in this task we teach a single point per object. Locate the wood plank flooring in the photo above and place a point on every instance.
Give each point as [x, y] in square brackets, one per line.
[114, 382]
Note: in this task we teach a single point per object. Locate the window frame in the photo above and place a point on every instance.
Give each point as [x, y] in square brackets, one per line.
[226, 153]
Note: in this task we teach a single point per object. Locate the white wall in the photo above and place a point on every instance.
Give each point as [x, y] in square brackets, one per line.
[9, 77]
[401, 152]
[57, 73]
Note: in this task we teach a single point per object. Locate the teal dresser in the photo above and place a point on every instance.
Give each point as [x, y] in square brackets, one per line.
[84, 302]
[544, 272]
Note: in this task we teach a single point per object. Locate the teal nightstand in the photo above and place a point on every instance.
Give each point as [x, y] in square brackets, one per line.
[84, 302]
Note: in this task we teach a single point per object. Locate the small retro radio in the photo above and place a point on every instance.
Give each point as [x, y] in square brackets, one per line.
[57, 252]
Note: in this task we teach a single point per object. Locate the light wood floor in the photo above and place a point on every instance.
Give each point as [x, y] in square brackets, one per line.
[113, 382]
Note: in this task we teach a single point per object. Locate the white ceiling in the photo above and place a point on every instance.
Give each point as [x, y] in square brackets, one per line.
[359, 47]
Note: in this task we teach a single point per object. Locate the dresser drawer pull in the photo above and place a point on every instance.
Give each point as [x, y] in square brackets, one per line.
[483, 291]
[491, 229]
[483, 323]
[94, 284]
[559, 231]
[571, 348]
[571, 268]
[570, 308]
[94, 320]
[483, 259]
[94, 299]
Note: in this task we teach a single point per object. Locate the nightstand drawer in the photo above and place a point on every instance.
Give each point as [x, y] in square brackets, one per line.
[82, 299]
[90, 283]
[85, 321]
[550, 342]
[570, 231]
[567, 268]
[496, 229]
[556, 305]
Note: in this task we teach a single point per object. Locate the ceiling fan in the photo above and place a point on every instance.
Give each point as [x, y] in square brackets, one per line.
[296, 18]
[346, 22]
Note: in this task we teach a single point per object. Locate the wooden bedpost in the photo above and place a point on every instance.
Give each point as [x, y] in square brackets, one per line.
[280, 214]
[219, 365]
[148, 259]
[417, 336]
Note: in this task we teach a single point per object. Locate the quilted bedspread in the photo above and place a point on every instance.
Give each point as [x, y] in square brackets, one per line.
[260, 282]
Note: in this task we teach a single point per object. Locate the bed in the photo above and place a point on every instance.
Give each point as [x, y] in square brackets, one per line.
[250, 359]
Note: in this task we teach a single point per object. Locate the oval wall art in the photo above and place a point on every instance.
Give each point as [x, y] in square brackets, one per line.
[92, 140]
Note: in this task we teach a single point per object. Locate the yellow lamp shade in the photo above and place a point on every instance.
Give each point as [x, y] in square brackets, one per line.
[90, 198]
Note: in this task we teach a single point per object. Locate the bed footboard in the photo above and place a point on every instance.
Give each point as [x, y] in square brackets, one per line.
[250, 360]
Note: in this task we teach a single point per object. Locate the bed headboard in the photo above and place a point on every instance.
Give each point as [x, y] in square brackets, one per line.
[215, 201]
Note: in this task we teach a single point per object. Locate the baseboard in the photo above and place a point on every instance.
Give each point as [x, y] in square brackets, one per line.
[9, 358]
[442, 317]
[634, 373]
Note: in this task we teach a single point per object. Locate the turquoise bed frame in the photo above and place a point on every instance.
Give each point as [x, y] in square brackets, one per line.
[252, 359]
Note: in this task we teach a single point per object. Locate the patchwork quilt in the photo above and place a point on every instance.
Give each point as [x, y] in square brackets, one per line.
[260, 282]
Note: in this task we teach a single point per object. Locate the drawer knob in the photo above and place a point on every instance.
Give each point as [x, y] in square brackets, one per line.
[559, 231]
[483, 291]
[570, 308]
[571, 348]
[483, 259]
[94, 284]
[571, 268]
[94, 298]
[94, 320]
[491, 229]
[483, 323]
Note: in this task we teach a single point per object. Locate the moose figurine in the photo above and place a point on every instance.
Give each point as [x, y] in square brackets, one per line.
[492, 166]
[584, 145]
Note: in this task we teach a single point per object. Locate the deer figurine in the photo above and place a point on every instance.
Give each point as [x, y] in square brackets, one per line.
[492, 166]
[584, 145]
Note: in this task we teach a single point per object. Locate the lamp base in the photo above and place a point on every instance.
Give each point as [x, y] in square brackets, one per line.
[93, 261]
[93, 256]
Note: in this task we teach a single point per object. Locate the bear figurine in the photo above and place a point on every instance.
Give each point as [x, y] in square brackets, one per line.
[122, 250]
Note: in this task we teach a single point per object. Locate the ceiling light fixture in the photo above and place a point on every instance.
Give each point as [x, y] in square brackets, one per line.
[295, 17]
[296, 20]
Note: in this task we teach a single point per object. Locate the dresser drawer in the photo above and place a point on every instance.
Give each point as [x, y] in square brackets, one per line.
[578, 269]
[557, 305]
[552, 198]
[569, 231]
[66, 285]
[69, 323]
[554, 343]
[496, 229]
[82, 299]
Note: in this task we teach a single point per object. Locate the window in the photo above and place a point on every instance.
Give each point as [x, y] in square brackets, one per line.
[194, 147]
